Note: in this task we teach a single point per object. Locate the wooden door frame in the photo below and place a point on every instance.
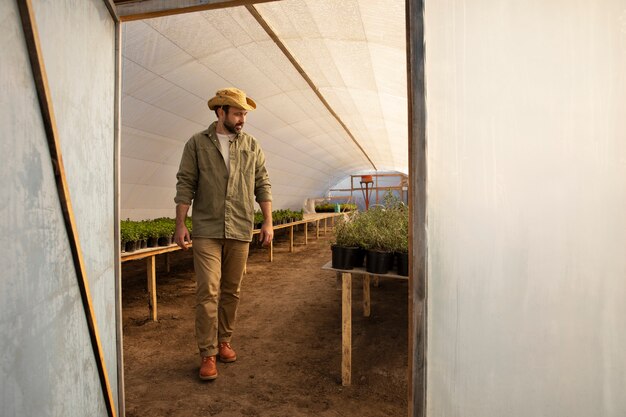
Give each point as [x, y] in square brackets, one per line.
[128, 10]
[418, 244]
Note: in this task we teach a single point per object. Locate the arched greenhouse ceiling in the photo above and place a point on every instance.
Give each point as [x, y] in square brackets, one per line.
[351, 51]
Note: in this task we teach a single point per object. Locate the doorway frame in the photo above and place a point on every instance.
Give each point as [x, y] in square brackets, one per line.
[129, 10]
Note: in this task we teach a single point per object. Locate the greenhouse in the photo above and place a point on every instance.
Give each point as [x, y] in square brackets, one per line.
[481, 145]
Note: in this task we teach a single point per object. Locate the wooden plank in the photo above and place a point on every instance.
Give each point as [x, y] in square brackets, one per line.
[418, 270]
[119, 321]
[291, 238]
[144, 253]
[362, 271]
[40, 78]
[366, 295]
[346, 329]
[129, 10]
[151, 275]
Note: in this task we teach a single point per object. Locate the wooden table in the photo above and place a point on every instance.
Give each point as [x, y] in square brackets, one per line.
[149, 254]
[346, 311]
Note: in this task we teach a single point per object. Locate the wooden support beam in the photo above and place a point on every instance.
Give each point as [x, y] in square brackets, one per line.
[418, 269]
[152, 296]
[306, 233]
[366, 295]
[119, 321]
[270, 32]
[40, 78]
[346, 328]
[317, 229]
[270, 249]
[128, 10]
[291, 239]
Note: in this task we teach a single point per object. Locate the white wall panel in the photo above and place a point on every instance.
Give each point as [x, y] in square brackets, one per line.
[47, 366]
[527, 195]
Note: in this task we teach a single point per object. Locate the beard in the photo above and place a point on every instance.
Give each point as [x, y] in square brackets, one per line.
[232, 128]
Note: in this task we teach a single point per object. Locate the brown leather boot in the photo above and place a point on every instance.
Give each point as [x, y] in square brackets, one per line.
[208, 369]
[226, 352]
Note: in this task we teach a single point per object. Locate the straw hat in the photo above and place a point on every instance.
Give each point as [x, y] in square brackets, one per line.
[231, 97]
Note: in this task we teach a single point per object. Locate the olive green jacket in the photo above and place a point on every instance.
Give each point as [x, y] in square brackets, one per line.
[223, 204]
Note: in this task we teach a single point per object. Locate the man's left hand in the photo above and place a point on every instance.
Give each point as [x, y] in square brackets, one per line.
[266, 234]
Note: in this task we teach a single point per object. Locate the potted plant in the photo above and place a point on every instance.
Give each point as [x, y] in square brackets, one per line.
[398, 220]
[142, 234]
[345, 243]
[129, 235]
[166, 228]
[152, 234]
[376, 238]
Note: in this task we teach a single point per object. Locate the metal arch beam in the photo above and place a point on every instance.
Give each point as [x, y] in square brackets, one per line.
[128, 10]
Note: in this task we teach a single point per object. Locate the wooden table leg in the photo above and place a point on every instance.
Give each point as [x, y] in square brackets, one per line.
[325, 224]
[291, 239]
[306, 233]
[271, 250]
[346, 328]
[167, 263]
[366, 295]
[317, 229]
[152, 302]
[338, 281]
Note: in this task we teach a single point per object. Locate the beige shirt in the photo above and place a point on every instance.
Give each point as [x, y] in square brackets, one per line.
[223, 201]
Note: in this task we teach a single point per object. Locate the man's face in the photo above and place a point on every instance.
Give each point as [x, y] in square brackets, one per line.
[234, 119]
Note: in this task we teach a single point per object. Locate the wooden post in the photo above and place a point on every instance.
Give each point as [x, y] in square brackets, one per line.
[325, 225]
[346, 328]
[152, 300]
[271, 250]
[291, 239]
[306, 233]
[317, 229]
[418, 245]
[338, 282]
[366, 295]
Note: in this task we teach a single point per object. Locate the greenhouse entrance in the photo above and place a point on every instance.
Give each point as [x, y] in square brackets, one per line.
[314, 133]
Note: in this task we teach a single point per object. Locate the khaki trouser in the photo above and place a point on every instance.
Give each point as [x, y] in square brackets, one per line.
[219, 265]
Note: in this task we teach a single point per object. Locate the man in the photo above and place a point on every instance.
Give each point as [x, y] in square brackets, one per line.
[222, 170]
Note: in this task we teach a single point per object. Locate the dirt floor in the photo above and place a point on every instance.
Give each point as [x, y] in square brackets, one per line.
[288, 342]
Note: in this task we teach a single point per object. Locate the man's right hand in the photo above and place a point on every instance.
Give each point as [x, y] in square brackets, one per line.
[181, 237]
